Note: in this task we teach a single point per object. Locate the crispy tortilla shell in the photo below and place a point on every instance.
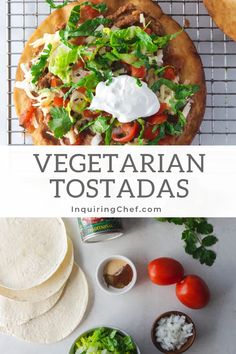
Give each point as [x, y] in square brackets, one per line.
[223, 13]
[181, 53]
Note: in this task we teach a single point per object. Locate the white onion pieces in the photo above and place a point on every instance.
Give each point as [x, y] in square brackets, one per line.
[173, 332]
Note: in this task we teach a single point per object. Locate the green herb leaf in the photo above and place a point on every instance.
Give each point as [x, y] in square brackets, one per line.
[209, 241]
[195, 242]
[88, 27]
[60, 122]
[161, 135]
[181, 91]
[85, 126]
[140, 137]
[52, 4]
[75, 13]
[162, 41]
[38, 68]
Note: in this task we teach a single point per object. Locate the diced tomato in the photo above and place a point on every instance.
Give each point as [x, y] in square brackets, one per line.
[55, 81]
[81, 89]
[79, 139]
[149, 134]
[148, 30]
[88, 12]
[90, 114]
[157, 118]
[126, 132]
[59, 102]
[138, 72]
[163, 107]
[26, 117]
[79, 64]
[169, 73]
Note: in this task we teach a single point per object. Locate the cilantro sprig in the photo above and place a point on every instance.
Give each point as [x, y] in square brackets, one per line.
[86, 28]
[38, 68]
[60, 122]
[198, 237]
[52, 4]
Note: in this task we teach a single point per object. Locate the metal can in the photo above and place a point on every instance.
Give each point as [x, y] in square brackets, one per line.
[100, 229]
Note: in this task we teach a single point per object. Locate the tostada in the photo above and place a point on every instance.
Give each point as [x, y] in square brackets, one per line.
[110, 73]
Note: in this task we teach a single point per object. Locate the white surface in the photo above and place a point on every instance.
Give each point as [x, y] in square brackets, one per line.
[135, 311]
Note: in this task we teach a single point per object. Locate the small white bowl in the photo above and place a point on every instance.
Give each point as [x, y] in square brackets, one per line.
[101, 281]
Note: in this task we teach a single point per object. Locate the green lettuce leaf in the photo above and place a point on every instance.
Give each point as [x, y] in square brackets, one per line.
[140, 137]
[106, 339]
[162, 41]
[38, 68]
[100, 125]
[60, 62]
[122, 39]
[88, 27]
[52, 4]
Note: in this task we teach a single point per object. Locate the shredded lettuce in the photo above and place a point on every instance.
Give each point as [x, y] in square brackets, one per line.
[100, 125]
[162, 41]
[52, 4]
[182, 92]
[134, 36]
[38, 68]
[105, 340]
[88, 27]
[60, 62]
[140, 137]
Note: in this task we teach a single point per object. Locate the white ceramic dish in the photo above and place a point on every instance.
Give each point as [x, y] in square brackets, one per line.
[101, 281]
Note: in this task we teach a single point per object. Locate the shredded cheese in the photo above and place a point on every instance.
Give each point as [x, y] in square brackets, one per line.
[142, 20]
[96, 139]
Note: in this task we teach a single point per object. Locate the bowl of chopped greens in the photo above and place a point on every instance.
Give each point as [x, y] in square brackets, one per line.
[104, 340]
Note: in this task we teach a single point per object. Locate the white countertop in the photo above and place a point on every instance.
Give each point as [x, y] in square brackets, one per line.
[144, 240]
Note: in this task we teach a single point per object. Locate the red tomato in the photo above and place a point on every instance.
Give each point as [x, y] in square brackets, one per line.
[55, 81]
[87, 12]
[169, 73]
[157, 119]
[165, 271]
[140, 73]
[78, 65]
[59, 102]
[163, 108]
[148, 30]
[79, 139]
[81, 89]
[193, 292]
[126, 132]
[149, 134]
[26, 117]
[90, 114]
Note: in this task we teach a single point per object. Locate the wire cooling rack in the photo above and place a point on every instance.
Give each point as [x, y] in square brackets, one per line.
[217, 51]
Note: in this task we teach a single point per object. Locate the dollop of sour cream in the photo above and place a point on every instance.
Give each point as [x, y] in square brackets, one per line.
[125, 99]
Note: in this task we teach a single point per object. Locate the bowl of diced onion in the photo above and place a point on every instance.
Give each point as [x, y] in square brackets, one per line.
[173, 332]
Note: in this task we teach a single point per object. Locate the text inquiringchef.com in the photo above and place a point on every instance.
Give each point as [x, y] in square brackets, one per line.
[93, 210]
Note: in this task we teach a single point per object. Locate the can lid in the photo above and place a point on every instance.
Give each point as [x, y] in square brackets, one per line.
[102, 236]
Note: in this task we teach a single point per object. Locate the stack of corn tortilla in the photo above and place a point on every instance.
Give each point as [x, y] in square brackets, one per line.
[43, 293]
